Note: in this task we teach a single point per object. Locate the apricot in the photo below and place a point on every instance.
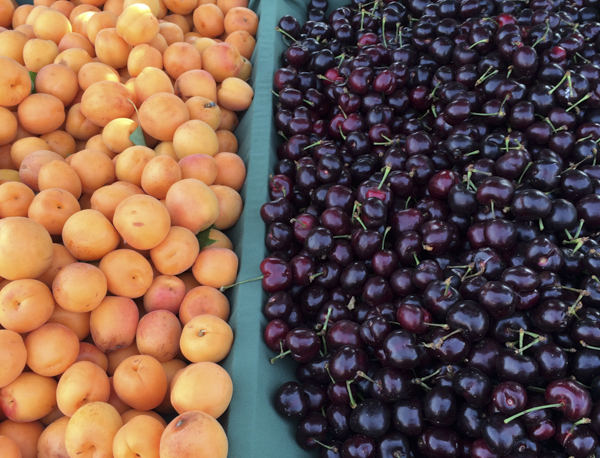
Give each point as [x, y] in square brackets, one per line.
[78, 322]
[246, 72]
[74, 58]
[202, 43]
[165, 293]
[141, 382]
[31, 165]
[243, 41]
[98, 22]
[229, 120]
[151, 81]
[63, 6]
[180, 58]
[171, 33]
[194, 435]
[159, 43]
[230, 206]
[94, 169]
[29, 397]
[158, 335]
[51, 417]
[15, 199]
[79, 126]
[9, 447]
[106, 100]
[221, 240]
[177, 252]
[96, 71]
[137, 24]
[92, 429]
[235, 94]
[107, 336]
[138, 437]
[199, 166]
[130, 164]
[39, 53]
[161, 114]
[142, 221]
[206, 338]
[226, 5]
[60, 258]
[143, 56]
[7, 9]
[79, 287]
[116, 357]
[52, 441]
[222, 60]
[195, 137]
[128, 273]
[231, 171]
[111, 48]
[216, 267]
[13, 356]
[51, 349]
[82, 383]
[240, 18]
[208, 20]
[116, 134]
[227, 141]
[59, 175]
[75, 40]
[107, 198]
[12, 43]
[25, 435]
[203, 300]
[160, 173]
[60, 142]
[97, 144]
[52, 208]
[20, 14]
[6, 161]
[115, 401]
[41, 113]
[25, 248]
[89, 352]
[204, 109]
[134, 413]
[8, 126]
[182, 7]
[192, 193]
[89, 235]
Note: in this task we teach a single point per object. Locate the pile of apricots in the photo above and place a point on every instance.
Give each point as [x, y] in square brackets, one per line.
[119, 173]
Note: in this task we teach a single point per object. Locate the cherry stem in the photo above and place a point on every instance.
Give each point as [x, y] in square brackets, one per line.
[531, 344]
[543, 37]
[437, 325]
[342, 133]
[294, 220]
[225, 288]
[533, 409]
[521, 337]
[485, 40]
[485, 76]
[280, 30]
[279, 356]
[383, 30]
[541, 224]
[472, 153]
[417, 260]
[417, 381]
[328, 447]
[447, 281]
[582, 99]
[583, 421]
[591, 347]
[595, 279]
[565, 76]
[321, 77]
[341, 236]
[386, 171]
[313, 276]
[581, 57]
[524, 172]
[492, 209]
[536, 389]
[352, 401]
[387, 229]
[366, 377]
[274, 93]
[313, 144]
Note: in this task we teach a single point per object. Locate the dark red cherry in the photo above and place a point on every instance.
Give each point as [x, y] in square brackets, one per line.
[509, 397]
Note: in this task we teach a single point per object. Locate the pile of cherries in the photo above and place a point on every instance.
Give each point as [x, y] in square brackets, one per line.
[434, 229]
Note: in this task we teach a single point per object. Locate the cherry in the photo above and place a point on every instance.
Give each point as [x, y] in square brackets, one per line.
[291, 401]
[509, 397]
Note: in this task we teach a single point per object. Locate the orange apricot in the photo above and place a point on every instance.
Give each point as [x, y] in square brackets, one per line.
[142, 221]
[41, 113]
[76, 40]
[231, 171]
[160, 173]
[79, 126]
[9, 447]
[25, 248]
[39, 53]
[131, 162]
[171, 33]
[107, 198]
[194, 435]
[206, 338]
[25, 435]
[59, 174]
[13, 356]
[141, 382]
[243, 41]
[209, 20]
[94, 169]
[180, 58]
[52, 441]
[117, 356]
[107, 336]
[200, 167]
[106, 100]
[235, 94]
[51, 25]
[29, 397]
[89, 235]
[194, 83]
[195, 137]
[111, 48]
[226, 5]
[98, 22]
[82, 383]
[203, 300]
[78, 322]
[182, 7]
[227, 141]
[222, 60]
[96, 71]
[59, 81]
[240, 18]
[60, 142]
[127, 272]
[74, 58]
[94, 426]
[89, 352]
[15, 199]
[158, 335]
[177, 252]
[51, 349]
[79, 287]
[192, 193]
[204, 109]
[230, 206]
[165, 293]
[137, 24]
[143, 56]
[138, 437]
[52, 208]
[60, 258]
[161, 114]
[216, 267]
[229, 120]
[151, 81]
[12, 44]
[134, 413]
[31, 165]
[117, 132]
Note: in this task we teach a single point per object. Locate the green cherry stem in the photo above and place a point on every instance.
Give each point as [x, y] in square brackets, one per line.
[225, 288]
[533, 409]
